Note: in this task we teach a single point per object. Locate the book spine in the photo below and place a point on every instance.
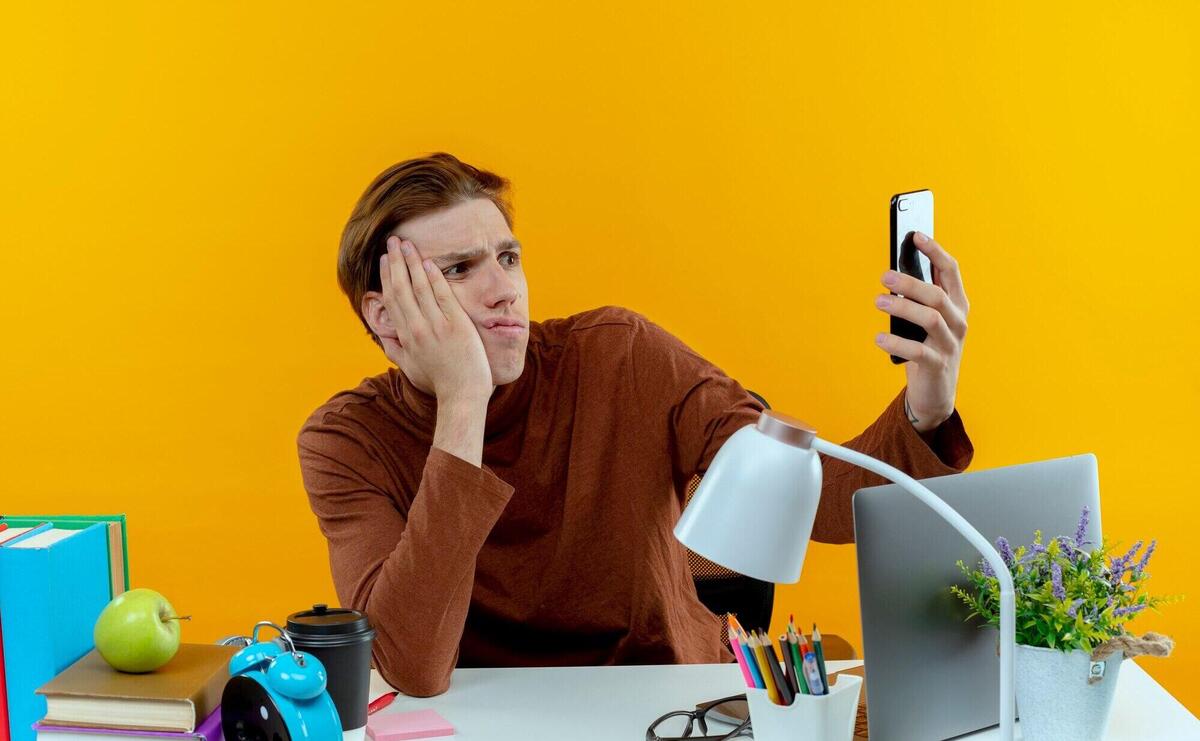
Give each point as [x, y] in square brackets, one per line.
[116, 559]
[124, 551]
[49, 601]
[28, 660]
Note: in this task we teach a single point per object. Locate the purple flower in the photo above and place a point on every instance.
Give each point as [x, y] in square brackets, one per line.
[1035, 550]
[1056, 581]
[1006, 551]
[987, 568]
[1067, 547]
[1082, 529]
[1130, 610]
[1074, 605]
[1132, 552]
[1118, 571]
[1121, 563]
[1145, 558]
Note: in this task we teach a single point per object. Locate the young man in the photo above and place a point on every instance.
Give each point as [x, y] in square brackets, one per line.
[506, 495]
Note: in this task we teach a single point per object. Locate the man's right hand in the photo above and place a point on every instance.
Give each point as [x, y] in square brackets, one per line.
[435, 344]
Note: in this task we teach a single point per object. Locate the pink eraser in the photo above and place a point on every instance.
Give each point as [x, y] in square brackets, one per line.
[415, 724]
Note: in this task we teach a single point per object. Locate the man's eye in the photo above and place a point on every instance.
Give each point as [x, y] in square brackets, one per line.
[456, 269]
[510, 258]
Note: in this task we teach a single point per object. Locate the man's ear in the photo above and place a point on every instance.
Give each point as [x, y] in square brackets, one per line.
[376, 314]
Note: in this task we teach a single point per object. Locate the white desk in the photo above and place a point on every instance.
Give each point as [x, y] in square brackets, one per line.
[617, 703]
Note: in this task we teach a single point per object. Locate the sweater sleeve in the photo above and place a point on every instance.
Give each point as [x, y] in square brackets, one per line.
[892, 439]
[411, 572]
[705, 407]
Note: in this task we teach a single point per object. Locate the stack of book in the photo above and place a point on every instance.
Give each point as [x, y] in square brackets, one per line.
[56, 574]
[91, 701]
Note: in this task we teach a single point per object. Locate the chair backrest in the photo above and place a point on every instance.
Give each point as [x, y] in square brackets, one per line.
[725, 591]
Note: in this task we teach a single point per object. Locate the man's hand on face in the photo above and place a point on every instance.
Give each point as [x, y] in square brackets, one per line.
[941, 308]
[435, 343]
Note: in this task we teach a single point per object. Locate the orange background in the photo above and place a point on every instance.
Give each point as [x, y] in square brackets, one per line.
[175, 180]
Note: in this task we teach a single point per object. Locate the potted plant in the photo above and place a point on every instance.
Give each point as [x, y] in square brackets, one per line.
[1072, 605]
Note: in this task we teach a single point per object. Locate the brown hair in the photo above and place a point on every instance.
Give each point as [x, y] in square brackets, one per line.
[405, 191]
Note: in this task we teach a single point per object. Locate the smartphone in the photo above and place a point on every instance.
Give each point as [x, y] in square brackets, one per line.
[910, 212]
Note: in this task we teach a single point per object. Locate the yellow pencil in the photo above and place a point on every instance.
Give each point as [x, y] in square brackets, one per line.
[761, 656]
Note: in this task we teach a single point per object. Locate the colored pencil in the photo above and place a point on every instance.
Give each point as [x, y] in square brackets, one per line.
[736, 646]
[813, 674]
[736, 625]
[751, 663]
[746, 650]
[781, 683]
[765, 670]
[806, 652]
[789, 669]
[794, 645]
[816, 634]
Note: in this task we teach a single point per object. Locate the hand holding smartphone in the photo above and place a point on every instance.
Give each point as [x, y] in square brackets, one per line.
[910, 212]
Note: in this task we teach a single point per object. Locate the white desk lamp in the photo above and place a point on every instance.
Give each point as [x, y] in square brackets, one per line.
[754, 509]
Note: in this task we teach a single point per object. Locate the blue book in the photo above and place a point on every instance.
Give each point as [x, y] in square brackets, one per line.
[53, 585]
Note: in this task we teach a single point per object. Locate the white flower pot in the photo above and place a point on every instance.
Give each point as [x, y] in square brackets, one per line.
[1055, 701]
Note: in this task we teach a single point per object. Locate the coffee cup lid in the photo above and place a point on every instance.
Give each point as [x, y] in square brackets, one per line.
[325, 621]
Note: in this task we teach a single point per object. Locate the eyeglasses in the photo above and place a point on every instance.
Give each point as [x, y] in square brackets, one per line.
[697, 717]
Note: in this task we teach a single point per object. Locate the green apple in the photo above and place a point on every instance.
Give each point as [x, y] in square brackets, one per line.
[138, 631]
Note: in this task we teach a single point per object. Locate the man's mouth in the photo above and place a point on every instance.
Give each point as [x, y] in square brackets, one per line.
[509, 327]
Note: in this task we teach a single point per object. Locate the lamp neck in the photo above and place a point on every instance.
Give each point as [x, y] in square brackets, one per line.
[786, 429]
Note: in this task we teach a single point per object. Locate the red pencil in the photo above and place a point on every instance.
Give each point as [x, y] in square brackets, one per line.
[381, 702]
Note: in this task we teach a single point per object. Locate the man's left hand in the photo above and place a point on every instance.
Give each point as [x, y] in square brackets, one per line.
[941, 308]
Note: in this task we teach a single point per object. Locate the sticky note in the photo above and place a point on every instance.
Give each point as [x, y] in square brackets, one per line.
[414, 724]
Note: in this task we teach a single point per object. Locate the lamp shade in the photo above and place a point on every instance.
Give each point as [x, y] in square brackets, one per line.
[754, 509]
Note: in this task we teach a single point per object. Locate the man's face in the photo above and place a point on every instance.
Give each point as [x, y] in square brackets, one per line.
[473, 247]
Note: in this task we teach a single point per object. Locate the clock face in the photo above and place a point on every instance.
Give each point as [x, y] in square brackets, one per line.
[249, 714]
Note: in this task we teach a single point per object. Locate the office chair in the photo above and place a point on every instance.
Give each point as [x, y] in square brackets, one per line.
[750, 600]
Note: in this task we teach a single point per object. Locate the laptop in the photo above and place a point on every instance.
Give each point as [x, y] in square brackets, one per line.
[930, 674]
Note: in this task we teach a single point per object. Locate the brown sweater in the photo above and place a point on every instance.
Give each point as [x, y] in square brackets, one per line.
[559, 550]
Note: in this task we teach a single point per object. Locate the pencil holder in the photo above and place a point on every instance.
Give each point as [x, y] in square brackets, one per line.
[809, 717]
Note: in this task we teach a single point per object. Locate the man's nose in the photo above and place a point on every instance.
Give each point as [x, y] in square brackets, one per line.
[501, 288]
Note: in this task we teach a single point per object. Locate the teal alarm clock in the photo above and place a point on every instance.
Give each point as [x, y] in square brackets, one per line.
[275, 694]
